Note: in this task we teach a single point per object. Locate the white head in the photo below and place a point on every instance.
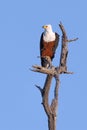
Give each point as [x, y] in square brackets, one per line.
[48, 34]
[48, 28]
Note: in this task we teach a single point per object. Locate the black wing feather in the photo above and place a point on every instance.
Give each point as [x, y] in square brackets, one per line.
[56, 44]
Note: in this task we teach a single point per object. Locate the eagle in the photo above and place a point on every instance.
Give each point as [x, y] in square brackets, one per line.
[48, 44]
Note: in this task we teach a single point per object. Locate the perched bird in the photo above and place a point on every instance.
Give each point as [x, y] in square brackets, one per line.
[48, 44]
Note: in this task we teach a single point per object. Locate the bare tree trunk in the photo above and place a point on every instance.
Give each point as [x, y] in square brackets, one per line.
[51, 110]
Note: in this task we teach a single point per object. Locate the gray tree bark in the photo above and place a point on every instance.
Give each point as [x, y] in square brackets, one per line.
[51, 110]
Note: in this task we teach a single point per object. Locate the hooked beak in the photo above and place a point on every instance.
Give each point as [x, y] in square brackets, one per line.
[44, 26]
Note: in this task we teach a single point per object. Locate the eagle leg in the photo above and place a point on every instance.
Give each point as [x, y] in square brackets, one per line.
[46, 62]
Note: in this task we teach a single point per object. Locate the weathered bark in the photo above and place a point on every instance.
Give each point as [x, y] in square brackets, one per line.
[51, 110]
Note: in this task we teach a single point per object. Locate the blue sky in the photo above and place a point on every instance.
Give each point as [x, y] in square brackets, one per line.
[20, 30]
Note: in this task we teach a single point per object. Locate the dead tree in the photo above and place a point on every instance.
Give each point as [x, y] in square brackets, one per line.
[51, 110]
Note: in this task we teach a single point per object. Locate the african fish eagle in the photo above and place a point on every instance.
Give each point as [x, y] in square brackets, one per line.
[48, 45]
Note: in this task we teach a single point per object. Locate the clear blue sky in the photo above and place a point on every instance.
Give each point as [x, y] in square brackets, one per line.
[20, 30]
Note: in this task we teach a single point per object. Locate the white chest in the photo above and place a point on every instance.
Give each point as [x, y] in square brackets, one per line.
[48, 36]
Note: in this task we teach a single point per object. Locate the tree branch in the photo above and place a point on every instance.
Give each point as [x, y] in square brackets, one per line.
[43, 70]
[51, 110]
